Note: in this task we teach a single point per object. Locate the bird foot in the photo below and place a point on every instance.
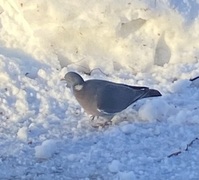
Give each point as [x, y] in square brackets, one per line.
[101, 124]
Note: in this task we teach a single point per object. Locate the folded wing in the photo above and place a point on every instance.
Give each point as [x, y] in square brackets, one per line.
[114, 98]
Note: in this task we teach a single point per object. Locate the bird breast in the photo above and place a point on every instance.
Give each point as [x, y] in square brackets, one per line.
[87, 100]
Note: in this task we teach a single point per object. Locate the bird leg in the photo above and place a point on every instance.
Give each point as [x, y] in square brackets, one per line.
[92, 118]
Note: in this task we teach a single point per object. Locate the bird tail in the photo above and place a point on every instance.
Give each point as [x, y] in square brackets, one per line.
[152, 93]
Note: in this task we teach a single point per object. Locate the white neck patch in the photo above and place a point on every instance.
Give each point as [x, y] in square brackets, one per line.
[78, 87]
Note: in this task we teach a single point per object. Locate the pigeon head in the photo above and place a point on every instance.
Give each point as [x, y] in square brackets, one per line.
[73, 79]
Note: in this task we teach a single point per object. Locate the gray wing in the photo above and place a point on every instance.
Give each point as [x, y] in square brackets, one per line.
[114, 98]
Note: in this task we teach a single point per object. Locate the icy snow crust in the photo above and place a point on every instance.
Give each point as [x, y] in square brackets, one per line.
[44, 133]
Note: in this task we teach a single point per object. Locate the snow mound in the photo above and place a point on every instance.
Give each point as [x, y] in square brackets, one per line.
[46, 149]
[156, 109]
[114, 166]
[22, 133]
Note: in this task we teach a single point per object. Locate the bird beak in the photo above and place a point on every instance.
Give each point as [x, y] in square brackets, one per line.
[67, 86]
[64, 81]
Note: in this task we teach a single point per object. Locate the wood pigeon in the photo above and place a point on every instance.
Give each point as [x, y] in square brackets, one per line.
[105, 98]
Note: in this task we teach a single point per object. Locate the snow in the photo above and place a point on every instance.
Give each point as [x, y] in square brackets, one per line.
[22, 133]
[156, 110]
[114, 166]
[127, 175]
[46, 149]
[45, 134]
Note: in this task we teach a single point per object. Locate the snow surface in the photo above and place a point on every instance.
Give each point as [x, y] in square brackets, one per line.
[45, 134]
